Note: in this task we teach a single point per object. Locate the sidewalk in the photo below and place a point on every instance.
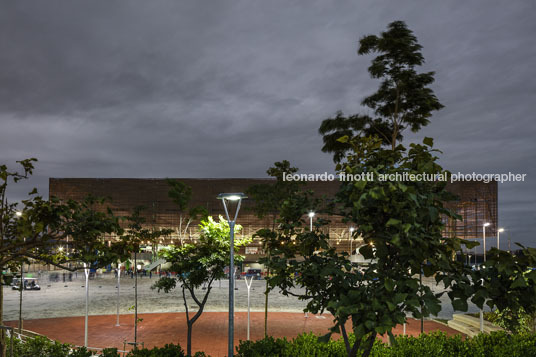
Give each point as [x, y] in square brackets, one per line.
[209, 333]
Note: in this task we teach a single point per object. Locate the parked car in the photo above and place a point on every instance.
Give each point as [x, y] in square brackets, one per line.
[28, 284]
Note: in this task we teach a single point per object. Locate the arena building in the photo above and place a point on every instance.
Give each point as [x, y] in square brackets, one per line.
[476, 205]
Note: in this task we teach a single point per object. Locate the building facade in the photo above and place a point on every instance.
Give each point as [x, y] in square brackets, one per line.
[476, 205]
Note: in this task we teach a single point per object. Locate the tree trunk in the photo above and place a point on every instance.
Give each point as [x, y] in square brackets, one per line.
[266, 309]
[2, 331]
[189, 340]
[135, 300]
[368, 348]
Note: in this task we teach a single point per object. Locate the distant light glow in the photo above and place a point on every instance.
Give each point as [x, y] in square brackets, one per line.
[18, 213]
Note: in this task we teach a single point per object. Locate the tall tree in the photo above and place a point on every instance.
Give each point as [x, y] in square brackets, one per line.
[200, 264]
[181, 194]
[136, 234]
[403, 99]
[400, 223]
[63, 234]
[268, 199]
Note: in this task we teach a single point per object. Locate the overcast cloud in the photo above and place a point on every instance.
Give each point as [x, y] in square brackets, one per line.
[226, 88]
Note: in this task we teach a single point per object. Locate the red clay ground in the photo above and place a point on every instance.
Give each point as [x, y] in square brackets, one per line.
[209, 334]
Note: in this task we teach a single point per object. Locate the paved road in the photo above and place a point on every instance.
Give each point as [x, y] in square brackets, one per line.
[58, 299]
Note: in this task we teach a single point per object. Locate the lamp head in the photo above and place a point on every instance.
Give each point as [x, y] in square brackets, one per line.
[18, 213]
[236, 197]
[501, 230]
[352, 229]
[311, 214]
[487, 224]
[232, 196]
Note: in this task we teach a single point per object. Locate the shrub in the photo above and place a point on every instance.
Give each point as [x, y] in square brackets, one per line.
[514, 321]
[268, 346]
[82, 352]
[497, 344]
[39, 346]
[109, 352]
[43, 347]
[170, 350]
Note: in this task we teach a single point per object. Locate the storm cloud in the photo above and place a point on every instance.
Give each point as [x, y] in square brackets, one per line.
[226, 88]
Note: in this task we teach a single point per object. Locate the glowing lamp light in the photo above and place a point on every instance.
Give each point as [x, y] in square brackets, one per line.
[231, 196]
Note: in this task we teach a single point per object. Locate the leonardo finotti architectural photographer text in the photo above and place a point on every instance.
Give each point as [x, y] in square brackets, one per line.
[405, 176]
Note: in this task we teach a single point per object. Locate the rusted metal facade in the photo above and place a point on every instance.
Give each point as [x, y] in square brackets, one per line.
[477, 204]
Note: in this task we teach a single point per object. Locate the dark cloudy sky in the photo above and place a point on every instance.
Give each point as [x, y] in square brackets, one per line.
[225, 88]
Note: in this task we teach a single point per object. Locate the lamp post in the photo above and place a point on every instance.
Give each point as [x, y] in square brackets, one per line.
[118, 288]
[86, 272]
[484, 238]
[18, 214]
[499, 231]
[225, 198]
[352, 229]
[311, 215]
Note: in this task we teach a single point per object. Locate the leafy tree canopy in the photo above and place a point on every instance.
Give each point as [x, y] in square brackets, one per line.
[403, 99]
[200, 264]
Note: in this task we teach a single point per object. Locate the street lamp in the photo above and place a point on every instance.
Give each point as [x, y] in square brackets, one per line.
[487, 224]
[118, 288]
[311, 215]
[18, 214]
[352, 229]
[499, 231]
[484, 239]
[225, 198]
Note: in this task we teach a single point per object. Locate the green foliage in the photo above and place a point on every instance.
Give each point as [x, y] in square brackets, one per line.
[403, 99]
[268, 346]
[169, 350]
[268, 198]
[401, 225]
[85, 224]
[204, 261]
[43, 347]
[303, 345]
[137, 232]
[200, 264]
[517, 321]
[84, 352]
[40, 228]
[40, 346]
[109, 352]
[437, 344]
[507, 281]
[497, 344]
[181, 194]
